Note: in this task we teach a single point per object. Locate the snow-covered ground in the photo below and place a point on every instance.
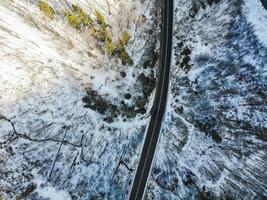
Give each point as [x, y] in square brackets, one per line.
[51, 146]
[214, 141]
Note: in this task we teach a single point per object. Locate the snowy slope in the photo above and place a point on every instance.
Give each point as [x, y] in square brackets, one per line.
[214, 141]
[51, 146]
[54, 146]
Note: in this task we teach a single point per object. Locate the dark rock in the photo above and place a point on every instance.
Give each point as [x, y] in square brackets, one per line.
[123, 74]
[95, 102]
[30, 188]
[127, 96]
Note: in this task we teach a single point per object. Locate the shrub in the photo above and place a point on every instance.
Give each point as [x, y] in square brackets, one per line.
[125, 38]
[85, 19]
[78, 18]
[100, 34]
[122, 53]
[73, 20]
[125, 58]
[47, 9]
[100, 19]
[120, 48]
[109, 47]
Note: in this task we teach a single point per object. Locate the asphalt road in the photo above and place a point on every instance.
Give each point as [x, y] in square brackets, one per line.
[158, 109]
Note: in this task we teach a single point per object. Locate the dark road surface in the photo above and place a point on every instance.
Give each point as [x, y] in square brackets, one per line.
[158, 110]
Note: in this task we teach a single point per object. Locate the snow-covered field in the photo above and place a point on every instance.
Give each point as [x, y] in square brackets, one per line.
[56, 143]
[214, 141]
[51, 146]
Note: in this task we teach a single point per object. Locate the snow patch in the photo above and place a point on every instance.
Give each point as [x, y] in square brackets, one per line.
[51, 193]
[257, 16]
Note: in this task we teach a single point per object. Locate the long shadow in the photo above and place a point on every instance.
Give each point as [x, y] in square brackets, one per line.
[264, 3]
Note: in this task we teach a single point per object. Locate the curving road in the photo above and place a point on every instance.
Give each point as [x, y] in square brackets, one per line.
[158, 110]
